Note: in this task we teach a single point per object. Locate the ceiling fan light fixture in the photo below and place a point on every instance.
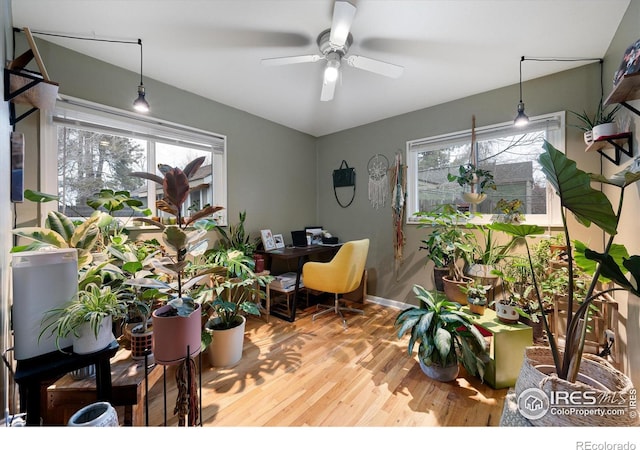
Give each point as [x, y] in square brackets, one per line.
[332, 68]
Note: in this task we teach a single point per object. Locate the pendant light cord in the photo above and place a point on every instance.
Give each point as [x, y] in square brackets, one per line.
[140, 44]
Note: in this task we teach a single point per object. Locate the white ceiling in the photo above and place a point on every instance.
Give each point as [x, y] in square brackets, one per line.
[449, 49]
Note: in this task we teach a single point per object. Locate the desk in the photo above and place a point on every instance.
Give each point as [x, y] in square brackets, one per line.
[31, 374]
[301, 255]
[66, 395]
[506, 350]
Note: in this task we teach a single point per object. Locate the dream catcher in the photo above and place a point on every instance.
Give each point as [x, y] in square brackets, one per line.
[378, 166]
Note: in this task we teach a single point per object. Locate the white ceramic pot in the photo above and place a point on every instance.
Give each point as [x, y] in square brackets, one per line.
[473, 197]
[86, 342]
[100, 414]
[604, 129]
[225, 349]
[507, 313]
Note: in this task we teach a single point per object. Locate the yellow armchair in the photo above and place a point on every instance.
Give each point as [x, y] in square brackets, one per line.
[340, 275]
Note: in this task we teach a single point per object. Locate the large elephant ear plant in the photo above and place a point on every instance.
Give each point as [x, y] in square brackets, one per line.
[589, 206]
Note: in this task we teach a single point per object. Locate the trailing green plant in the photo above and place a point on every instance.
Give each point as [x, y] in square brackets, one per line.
[589, 206]
[474, 177]
[449, 239]
[443, 333]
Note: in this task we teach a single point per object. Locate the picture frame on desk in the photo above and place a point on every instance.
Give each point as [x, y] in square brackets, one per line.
[278, 239]
[267, 240]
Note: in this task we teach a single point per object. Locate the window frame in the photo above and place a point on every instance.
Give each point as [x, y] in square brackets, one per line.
[555, 136]
[96, 117]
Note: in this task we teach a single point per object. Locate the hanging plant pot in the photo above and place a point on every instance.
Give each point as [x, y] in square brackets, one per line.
[473, 197]
[173, 335]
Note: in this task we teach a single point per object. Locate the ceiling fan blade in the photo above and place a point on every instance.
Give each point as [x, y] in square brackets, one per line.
[328, 88]
[343, 14]
[290, 60]
[375, 66]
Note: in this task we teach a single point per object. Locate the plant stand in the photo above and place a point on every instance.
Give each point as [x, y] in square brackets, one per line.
[506, 348]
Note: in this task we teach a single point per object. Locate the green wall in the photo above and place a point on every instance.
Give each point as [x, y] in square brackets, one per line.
[283, 178]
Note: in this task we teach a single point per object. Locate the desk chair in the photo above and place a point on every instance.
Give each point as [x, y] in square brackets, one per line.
[340, 275]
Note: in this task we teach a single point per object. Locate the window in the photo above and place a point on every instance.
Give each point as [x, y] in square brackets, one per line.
[510, 153]
[98, 147]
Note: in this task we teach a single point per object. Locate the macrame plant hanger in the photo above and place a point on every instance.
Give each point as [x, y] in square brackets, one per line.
[399, 187]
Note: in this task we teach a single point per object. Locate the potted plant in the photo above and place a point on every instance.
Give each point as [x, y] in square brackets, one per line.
[589, 205]
[61, 232]
[474, 181]
[177, 324]
[447, 242]
[235, 291]
[477, 296]
[444, 335]
[602, 123]
[87, 318]
[509, 211]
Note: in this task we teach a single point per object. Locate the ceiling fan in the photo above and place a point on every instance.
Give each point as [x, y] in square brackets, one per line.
[333, 44]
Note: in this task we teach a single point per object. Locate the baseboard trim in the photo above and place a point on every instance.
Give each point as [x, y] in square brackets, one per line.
[386, 302]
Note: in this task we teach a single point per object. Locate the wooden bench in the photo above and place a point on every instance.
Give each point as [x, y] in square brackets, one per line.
[66, 395]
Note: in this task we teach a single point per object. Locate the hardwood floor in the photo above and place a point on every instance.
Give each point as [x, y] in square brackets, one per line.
[314, 373]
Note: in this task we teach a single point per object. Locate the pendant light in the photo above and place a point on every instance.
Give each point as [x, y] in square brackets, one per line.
[521, 118]
[140, 104]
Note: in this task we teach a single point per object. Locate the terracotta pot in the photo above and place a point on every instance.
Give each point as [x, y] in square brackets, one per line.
[452, 289]
[477, 309]
[226, 346]
[174, 334]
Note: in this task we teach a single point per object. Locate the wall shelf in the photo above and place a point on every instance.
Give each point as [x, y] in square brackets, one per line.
[627, 89]
[617, 142]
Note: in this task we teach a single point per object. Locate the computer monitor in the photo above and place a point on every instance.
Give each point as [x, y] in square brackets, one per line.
[299, 238]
